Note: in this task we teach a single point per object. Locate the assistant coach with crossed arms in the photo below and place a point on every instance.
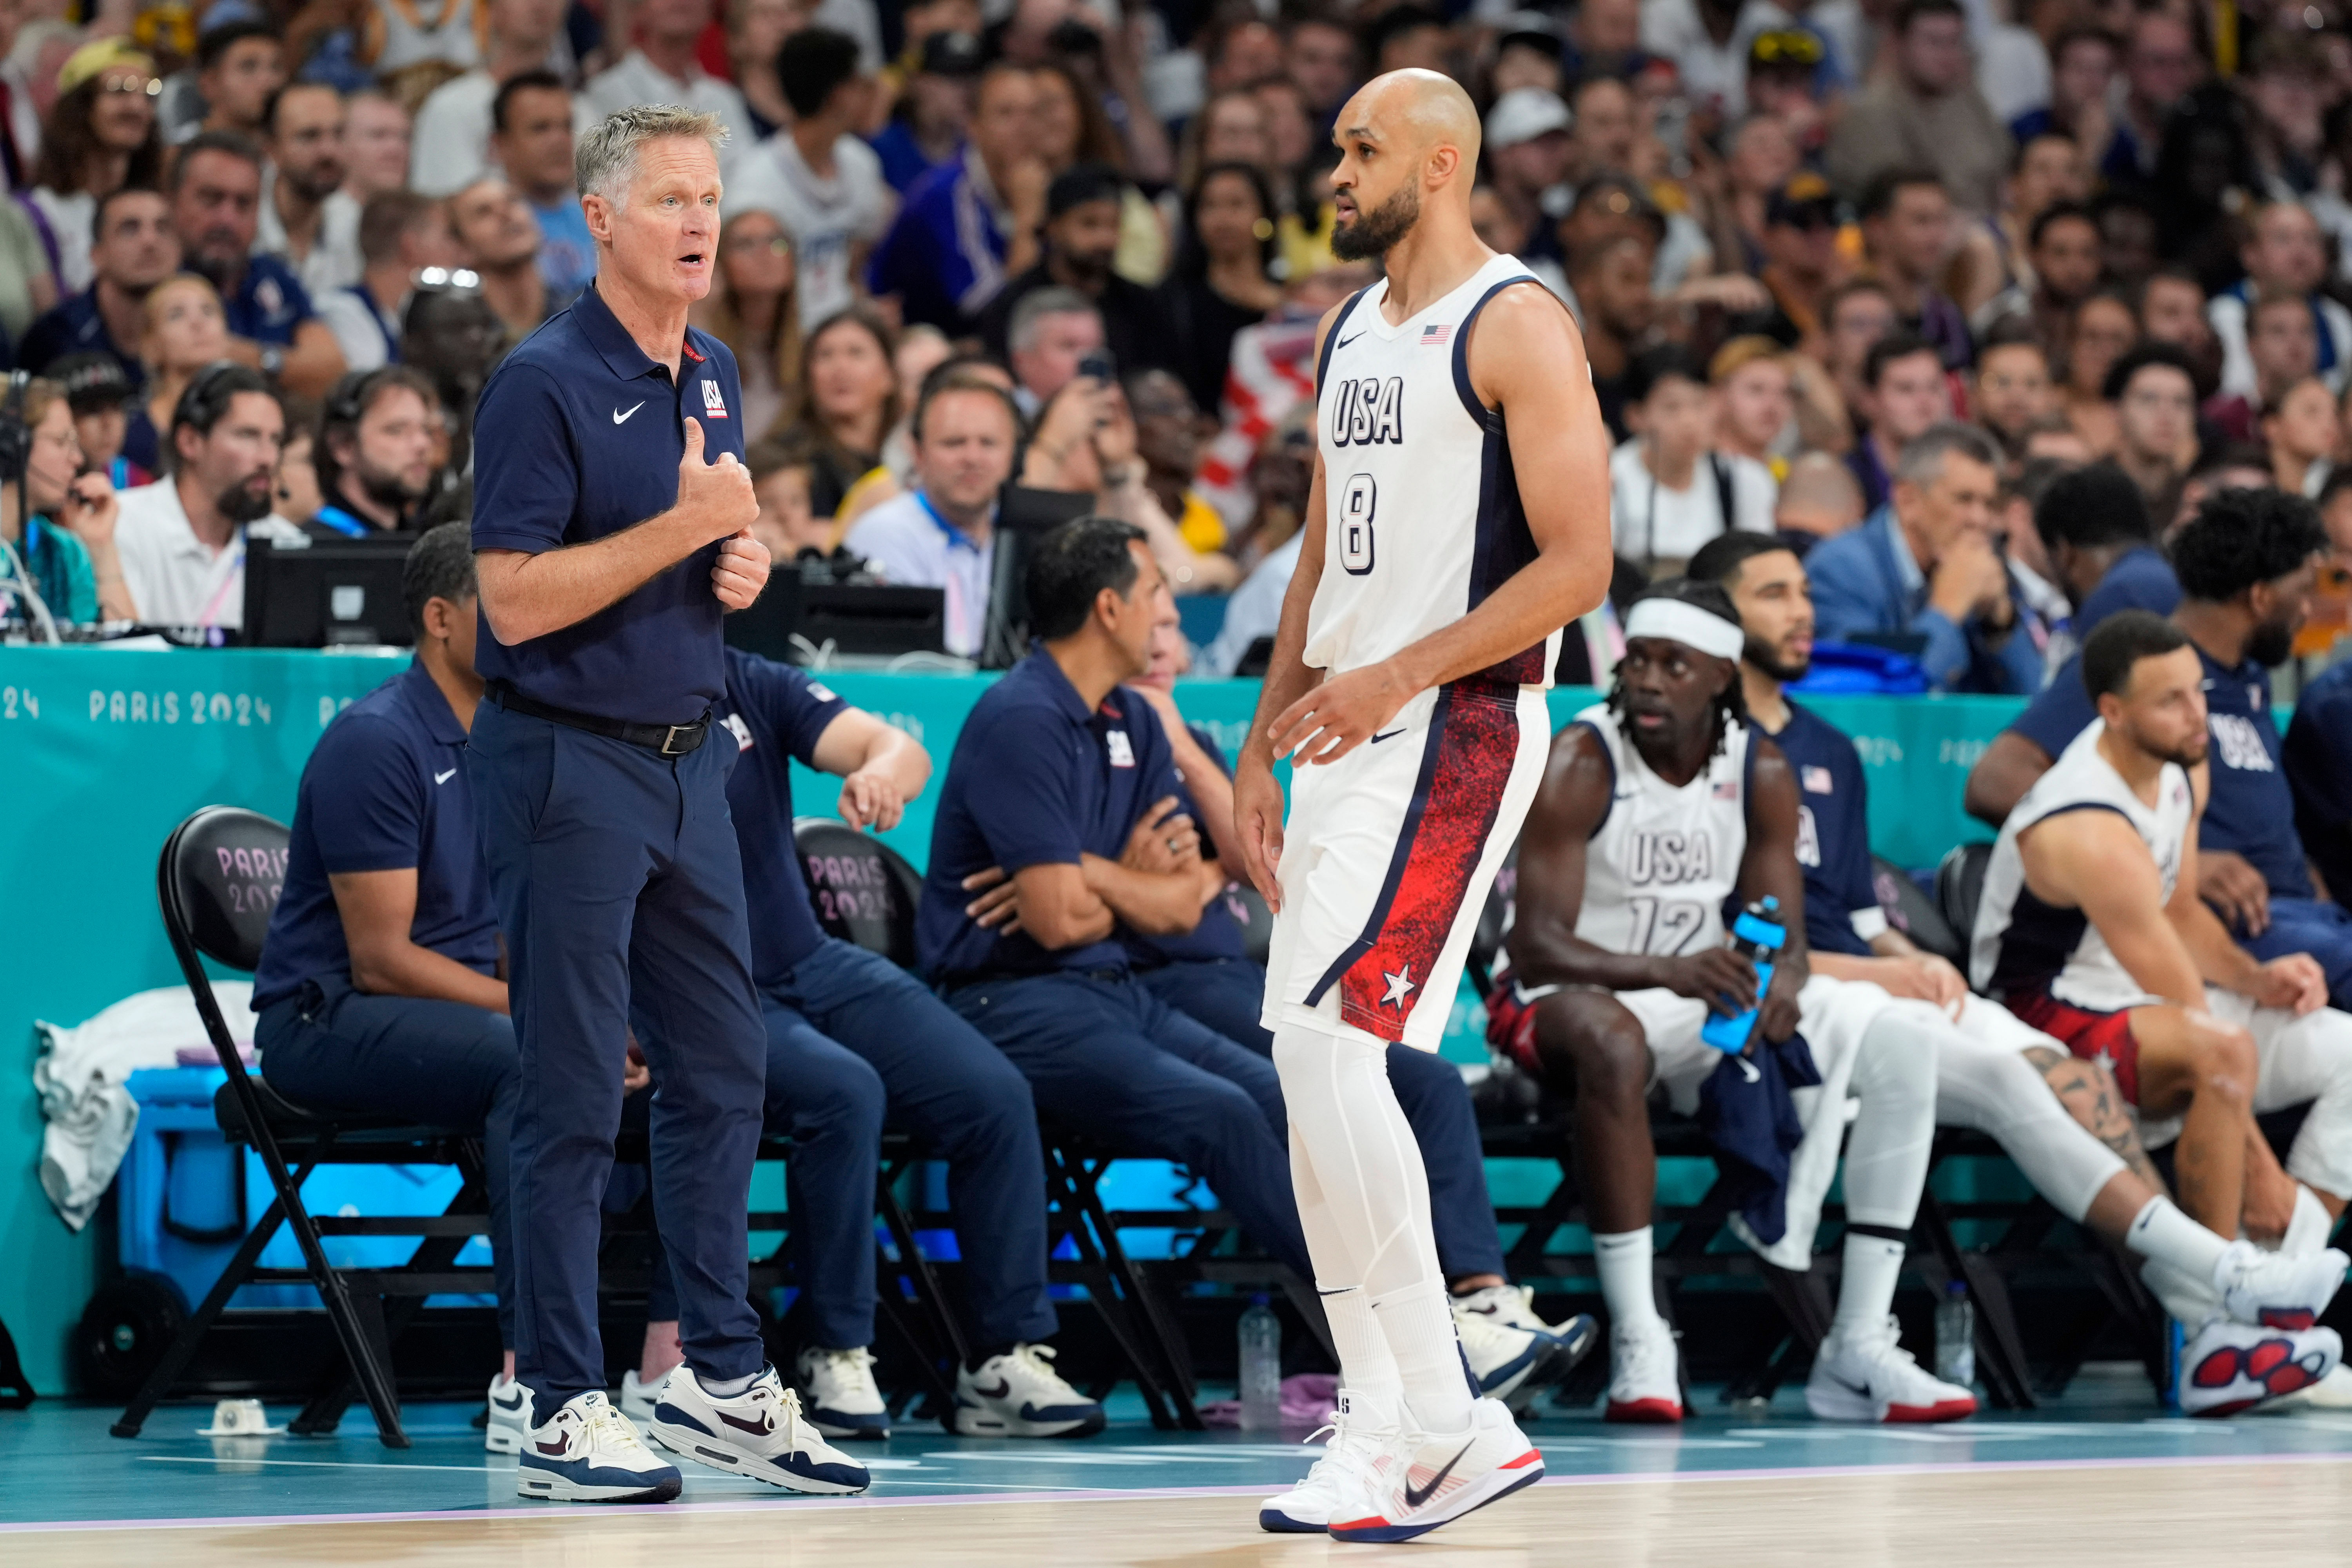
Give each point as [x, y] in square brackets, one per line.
[609, 541]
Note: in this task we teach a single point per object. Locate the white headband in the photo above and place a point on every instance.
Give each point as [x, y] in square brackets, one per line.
[1702, 629]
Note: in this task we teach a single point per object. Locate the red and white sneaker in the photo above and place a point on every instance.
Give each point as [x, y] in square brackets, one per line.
[1644, 1385]
[1869, 1376]
[1449, 1475]
[1364, 1437]
[2278, 1290]
[2226, 1367]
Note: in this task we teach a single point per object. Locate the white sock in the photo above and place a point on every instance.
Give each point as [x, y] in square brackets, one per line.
[1866, 1294]
[1627, 1281]
[1418, 1324]
[725, 1387]
[2307, 1231]
[2161, 1230]
[1366, 1364]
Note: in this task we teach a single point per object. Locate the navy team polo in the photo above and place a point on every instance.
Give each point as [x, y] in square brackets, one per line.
[1037, 779]
[773, 713]
[384, 790]
[1219, 934]
[579, 436]
[1832, 835]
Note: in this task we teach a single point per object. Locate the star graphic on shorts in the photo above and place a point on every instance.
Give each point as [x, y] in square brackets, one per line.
[1399, 985]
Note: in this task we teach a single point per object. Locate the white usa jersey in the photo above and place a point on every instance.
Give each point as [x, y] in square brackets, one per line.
[1657, 873]
[2023, 945]
[1422, 512]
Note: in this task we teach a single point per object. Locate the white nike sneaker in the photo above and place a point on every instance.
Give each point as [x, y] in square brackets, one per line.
[1019, 1395]
[843, 1400]
[1643, 1381]
[1449, 1473]
[1514, 1354]
[2332, 1391]
[1870, 1376]
[2278, 1289]
[588, 1452]
[509, 1416]
[2227, 1368]
[1364, 1433]
[638, 1398]
[760, 1432]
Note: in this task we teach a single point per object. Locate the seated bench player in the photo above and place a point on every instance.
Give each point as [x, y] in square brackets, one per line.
[1657, 806]
[1033, 875]
[854, 1041]
[2246, 564]
[2091, 929]
[1993, 1073]
[382, 989]
[1207, 974]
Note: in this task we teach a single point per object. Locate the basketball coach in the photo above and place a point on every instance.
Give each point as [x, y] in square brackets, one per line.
[610, 528]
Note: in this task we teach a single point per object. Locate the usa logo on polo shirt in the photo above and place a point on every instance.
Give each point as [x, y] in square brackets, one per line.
[1123, 751]
[1818, 781]
[712, 408]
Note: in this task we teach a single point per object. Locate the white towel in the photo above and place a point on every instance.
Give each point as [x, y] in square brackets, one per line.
[80, 1072]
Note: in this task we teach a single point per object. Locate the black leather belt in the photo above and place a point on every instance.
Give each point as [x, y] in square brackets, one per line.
[666, 740]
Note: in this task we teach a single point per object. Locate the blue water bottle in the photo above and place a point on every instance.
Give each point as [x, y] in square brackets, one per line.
[1757, 935]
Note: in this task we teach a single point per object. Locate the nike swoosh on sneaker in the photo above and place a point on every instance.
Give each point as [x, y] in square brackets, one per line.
[514, 1404]
[554, 1450]
[1004, 1386]
[763, 1427]
[1414, 1497]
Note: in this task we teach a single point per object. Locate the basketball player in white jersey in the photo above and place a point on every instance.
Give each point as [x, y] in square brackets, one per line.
[1458, 518]
[1994, 1073]
[2091, 929]
[1657, 806]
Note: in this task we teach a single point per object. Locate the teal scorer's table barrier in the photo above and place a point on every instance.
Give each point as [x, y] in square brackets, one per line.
[105, 751]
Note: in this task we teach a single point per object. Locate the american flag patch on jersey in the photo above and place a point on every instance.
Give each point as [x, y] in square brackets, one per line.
[1817, 781]
[1436, 335]
[1728, 789]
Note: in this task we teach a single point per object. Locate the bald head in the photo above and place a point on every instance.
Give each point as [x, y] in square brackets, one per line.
[1407, 137]
[1819, 497]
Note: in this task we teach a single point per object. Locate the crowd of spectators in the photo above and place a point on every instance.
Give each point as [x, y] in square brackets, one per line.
[1867, 275]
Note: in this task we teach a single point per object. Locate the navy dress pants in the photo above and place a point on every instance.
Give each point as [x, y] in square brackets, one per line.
[620, 886]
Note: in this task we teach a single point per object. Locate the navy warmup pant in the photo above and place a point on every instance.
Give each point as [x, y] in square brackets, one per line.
[1227, 993]
[1107, 1055]
[620, 886]
[444, 1064]
[2308, 925]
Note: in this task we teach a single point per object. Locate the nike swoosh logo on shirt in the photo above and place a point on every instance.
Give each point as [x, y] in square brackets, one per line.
[444, 778]
[1343, 342]
[620, 418]
[1416, 1497]
[1392, 735]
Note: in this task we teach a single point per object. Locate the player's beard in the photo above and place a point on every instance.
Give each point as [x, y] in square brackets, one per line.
[1767, 658]
[2187, 754]
[2270, 644]
[1377, 229]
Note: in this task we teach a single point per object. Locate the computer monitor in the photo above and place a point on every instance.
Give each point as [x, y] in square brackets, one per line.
[818, 604]
[327, 593]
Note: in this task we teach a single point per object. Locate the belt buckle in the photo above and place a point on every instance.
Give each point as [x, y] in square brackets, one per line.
[669, 747]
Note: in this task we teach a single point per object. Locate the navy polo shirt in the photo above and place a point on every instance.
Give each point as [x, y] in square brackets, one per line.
[2318, 759]
[2140, 579]
[581, 436]
[1037, 779]
[773, 713]
[384, 790]
[1832, 832]
[2251, 811]
[75, 327]
[269, 304]
[1219, 935]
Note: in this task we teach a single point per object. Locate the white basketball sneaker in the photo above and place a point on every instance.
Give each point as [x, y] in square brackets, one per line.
[1019, 1395]
[843, 1400]
[2278, 1290]
[588, 1452]
[1448, 1475]
[1644, 1381]
[760, 1432]
[1492, 1322]
[2227, 1368]
[510, 1403]
[638, 1398]
[2332, 1391]
[1364, 1433]
[1869, 1376]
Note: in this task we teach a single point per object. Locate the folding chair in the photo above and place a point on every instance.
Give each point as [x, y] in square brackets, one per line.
[217, 881]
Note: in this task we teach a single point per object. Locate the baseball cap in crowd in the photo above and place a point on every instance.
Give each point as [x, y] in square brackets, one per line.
[116, 53]
[1784, 48]
[1805, 202]
[1080, 184]
[951, 54]
[93, 382]
[1524, 114]
[1530, 30]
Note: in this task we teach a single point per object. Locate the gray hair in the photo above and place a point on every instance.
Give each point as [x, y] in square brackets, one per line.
[1036, 305]
[1922, 462]
[606, 159]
